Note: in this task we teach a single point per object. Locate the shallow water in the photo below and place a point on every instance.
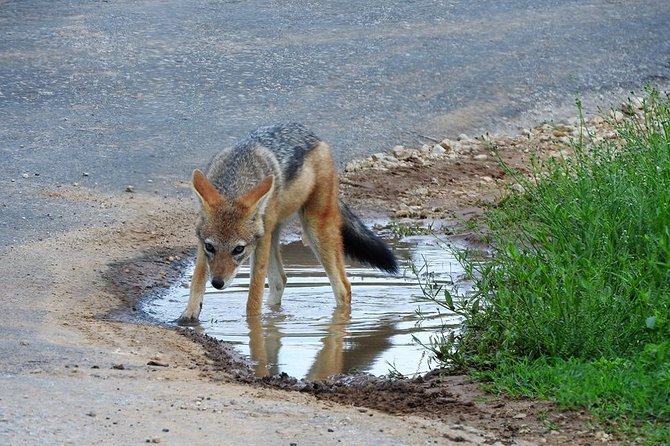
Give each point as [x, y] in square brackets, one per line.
[308, 336]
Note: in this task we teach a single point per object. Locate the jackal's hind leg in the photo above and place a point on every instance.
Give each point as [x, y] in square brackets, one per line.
[276, 274]
[322, 224]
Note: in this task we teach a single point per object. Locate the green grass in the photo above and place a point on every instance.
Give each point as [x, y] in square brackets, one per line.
[574, 305]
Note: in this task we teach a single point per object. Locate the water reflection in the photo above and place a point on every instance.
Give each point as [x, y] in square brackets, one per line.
[309, 336]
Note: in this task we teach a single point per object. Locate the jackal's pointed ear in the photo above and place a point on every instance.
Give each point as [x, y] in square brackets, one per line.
[256, 199]
[205, 190]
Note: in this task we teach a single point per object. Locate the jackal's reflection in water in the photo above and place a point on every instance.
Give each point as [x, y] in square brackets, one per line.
[340, 353]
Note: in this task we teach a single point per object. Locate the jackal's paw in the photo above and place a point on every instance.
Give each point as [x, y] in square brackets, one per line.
[187, 321]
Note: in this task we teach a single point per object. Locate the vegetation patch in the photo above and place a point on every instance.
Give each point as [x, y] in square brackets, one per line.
[574, 304]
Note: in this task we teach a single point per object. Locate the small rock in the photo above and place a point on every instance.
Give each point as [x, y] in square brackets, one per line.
[24, 342]
[91, 414]
[638, 102]
[448, 144]
[401, 153]
[25, 175]
[130, 189]
[118, 367]
[84, 174]
[596, 120]
[519, 188]
[438, 149]
[402, 213]
[520, 416]
[481, 157]
[155, 363]
[154, 440]
[616, 115]
[603, 436]
[463, 137]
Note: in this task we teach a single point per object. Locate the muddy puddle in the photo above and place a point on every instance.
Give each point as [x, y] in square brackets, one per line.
[308, 337]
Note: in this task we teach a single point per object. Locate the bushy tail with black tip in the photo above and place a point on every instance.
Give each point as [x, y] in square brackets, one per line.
[361, 244]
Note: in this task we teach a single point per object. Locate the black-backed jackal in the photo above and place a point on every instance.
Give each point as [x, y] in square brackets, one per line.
[249, 191]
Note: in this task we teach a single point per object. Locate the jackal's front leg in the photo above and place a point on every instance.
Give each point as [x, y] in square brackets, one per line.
[190, 315]
[259, 270]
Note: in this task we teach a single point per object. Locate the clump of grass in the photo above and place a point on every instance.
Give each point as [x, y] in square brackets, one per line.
[401, 229]
[575, 303]
[582, 263]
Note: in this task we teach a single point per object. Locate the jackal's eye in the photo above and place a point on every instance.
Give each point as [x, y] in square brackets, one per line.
[209, 248]
[239, 249]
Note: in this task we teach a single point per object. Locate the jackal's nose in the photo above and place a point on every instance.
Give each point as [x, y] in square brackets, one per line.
[218, 283]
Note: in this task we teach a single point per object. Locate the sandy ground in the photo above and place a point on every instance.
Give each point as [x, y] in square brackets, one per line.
[84, 375]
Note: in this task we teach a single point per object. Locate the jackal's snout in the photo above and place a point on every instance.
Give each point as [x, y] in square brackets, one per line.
[218, 283]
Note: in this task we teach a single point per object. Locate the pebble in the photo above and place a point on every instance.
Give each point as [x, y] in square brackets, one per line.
[130, 189]
[616, 115]
[519, 188]
[438, 149]
[402, 153]
[547, 140]
[448, 144]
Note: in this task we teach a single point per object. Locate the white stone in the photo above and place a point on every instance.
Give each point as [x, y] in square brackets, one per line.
[616, 115]
[438, 149]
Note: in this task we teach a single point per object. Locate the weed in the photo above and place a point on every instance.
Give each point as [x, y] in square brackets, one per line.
[574, 305]
[402, 229]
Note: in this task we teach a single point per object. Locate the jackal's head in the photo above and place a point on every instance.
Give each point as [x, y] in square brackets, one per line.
[229, 229]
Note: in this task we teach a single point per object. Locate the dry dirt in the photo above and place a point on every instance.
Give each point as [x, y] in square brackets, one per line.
[113, 379]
